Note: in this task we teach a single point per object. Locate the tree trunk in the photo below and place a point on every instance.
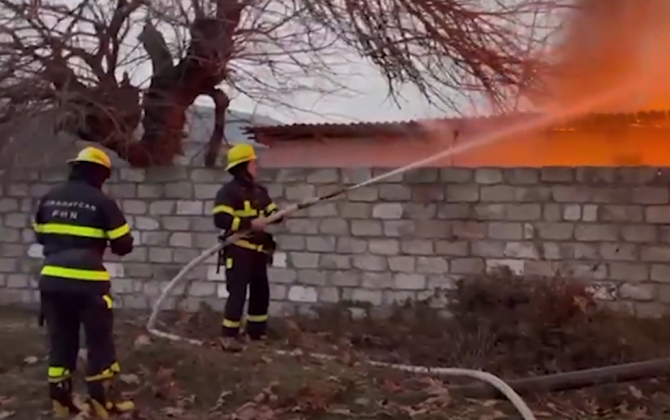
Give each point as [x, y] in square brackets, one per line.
[111, 113]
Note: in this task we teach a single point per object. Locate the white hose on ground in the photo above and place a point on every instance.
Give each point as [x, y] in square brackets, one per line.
[485, 139]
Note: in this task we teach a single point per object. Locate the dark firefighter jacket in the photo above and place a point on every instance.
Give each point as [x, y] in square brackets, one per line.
[237, 203]
[74, 223]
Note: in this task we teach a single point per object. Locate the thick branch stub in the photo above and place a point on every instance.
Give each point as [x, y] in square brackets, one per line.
[221, 102]
[154, 44]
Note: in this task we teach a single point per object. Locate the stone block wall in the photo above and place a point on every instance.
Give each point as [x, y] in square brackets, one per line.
[406, 237]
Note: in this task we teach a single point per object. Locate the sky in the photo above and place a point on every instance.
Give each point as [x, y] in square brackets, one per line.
[369, 103]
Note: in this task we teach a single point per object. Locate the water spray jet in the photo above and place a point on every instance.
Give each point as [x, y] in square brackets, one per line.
[480, 141]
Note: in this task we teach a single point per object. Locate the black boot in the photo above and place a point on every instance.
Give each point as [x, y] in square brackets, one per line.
[104, 402]
[62, 403]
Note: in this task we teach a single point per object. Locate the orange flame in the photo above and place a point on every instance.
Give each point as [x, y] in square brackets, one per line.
[610, 43]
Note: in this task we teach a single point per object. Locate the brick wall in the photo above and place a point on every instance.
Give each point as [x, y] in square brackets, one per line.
[407, 237]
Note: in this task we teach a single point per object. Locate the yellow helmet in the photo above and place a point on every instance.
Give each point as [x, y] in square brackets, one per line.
[93, 155]
[240, 153]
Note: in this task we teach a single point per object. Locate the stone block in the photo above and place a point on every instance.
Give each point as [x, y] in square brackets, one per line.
[653, 253]
[354, 210]
[638, 292]
[597, 232]
[469, 230]
[399, 228]
[351, 246]
[366, 228]
[466, 266]
[417, 247]
[329, 294]
[161, 207]
[428, 193]
[365, 194]
[618, 252]
[18, 190]
[523, 212]
[572, 212]
[660, 273]
[395, 192]
[454, 211]
[373, 297]
[344, 278]
[323, 176]
[282, 275]
[369, 263]
[432, 265]
[584, 270]
[521, 250]
[17, 281]
[556, 175]
[17, 220]
[571, 194]
[420, 211]
[456, 175]
[160, 255]
[462, 193]
[200, 192]
[355, 175]
[408, 281]
[302, 226]
[189, 207]
[9, 205]
[280, 259]
[323, 210]
[515, 266]
[387, 211]
[538, 194]
[488, 176]
[313, 277]
[335, 262]
[334, 226]
[181, 240]
[616, 213]
[402, 264]
[452, 248]
[376, 280]
[555, 231]
[122, 190]
[651, 195]
[146, 223]
[490, 211]
[498, 194]
[384, 246]
[150, 191]
[657, 214]
[630, 272]
[505, 231]
[421, 176]
[303, 294]
[521, 176]
[304, 259]
[488, 249]
[321, 243]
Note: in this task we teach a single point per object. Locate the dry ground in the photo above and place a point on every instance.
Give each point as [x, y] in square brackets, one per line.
[177, 380]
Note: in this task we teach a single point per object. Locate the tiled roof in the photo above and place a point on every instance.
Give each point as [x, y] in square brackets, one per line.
[654, 119]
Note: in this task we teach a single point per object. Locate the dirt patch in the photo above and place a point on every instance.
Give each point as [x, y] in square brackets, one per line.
[178, 380]
[522, 329]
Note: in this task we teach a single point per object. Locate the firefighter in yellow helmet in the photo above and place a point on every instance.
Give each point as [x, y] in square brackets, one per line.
[75, 222]
[242, 205]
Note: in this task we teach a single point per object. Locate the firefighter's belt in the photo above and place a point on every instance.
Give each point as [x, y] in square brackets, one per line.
[248, 245]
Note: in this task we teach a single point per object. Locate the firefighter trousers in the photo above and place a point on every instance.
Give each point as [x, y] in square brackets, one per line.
[65, 313]
[246, 268]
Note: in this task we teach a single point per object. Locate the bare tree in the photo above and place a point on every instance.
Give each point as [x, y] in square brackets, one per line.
[77, 57]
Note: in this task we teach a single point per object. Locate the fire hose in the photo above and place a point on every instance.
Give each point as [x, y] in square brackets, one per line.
[505, 133]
